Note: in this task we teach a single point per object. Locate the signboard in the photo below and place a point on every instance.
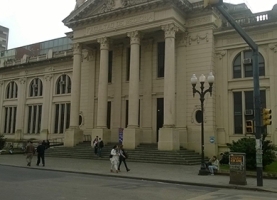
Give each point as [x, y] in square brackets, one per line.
[237, 168]
[212, 139]
[120, 135]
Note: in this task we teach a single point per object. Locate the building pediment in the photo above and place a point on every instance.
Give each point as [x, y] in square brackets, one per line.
[93, 9]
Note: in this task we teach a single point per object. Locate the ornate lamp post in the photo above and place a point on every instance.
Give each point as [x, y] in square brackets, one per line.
[202, 92]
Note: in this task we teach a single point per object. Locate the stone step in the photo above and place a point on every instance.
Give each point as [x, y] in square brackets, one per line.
[147, 153]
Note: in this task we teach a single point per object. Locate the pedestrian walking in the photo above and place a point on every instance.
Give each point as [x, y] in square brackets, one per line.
[47, 146]
[122, 158]
[95, 145]
[40, 150]
[30, 151]
[114, 157]
[100, 146]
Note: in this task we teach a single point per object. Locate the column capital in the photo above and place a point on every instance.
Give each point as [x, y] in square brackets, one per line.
[273, 47]
[88, 54]
[104, 43]
[134, 37]
[48, 77]
[22, 80]
[170, 30]
[77, 49]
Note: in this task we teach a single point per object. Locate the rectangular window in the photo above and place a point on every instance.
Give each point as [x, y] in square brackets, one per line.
[34, 119]
[161, 57]
[110, 66]
[238, 120]
[109, 112]
[139, 114]
[126, 113]
[62, 117]
[10, 120]
[237, 68]
[240, 107]
[128, 65]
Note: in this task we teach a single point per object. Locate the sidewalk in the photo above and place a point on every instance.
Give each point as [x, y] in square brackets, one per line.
[158, 172]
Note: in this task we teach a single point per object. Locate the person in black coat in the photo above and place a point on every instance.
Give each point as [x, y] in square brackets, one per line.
[40, 150]
[122, 158]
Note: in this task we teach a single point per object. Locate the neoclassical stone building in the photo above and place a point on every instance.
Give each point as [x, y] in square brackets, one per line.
[128, 65]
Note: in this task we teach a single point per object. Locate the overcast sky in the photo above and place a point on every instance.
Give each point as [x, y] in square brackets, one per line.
[32, 21]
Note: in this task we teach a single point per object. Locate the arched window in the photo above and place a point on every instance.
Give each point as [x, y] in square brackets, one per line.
[11, 91]
[35, 88]
[63, 85]
[242, 65]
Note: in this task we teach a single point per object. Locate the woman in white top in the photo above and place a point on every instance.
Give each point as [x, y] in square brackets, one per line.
[214, 164]
[114, 158]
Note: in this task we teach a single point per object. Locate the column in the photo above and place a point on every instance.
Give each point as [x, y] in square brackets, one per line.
[168, 136]
[2, 109]
[74, 135]
[131, 134]
[101, 130]
[20, 116]
[117, 88]
[147, 104]
[46, 106]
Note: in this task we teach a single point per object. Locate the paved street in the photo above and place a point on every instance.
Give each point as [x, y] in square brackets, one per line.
[31, 183]
[178, 174]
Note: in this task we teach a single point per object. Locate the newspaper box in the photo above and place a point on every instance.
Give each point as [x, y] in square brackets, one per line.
[237, 164]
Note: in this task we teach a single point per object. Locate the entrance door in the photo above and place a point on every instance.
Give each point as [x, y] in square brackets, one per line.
[160, 115]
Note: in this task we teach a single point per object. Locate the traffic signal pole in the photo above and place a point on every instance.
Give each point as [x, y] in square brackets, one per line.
[257, 100]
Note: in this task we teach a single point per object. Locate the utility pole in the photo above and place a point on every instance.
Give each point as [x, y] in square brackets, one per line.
[257, 101]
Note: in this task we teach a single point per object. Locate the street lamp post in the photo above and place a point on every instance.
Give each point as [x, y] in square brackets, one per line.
[202, 92]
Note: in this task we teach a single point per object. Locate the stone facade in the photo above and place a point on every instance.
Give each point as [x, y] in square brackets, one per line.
[130, 68]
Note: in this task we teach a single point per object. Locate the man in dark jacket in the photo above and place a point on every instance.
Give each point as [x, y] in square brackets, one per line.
[41, 150]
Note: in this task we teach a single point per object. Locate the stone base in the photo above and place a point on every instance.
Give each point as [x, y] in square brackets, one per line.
[18, 134]
[73, 136]
[44, 134]
[168, 139]
[147, 136]
[103, 133]
[131, 138]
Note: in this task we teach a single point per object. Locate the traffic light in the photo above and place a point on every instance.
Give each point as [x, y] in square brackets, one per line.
[249, 126]
[266, 116]
[212, 2]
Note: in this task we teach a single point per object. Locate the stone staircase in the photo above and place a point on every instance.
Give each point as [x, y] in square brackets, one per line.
[146, 153]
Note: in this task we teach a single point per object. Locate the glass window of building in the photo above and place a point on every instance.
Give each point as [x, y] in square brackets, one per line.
[62, 117]
[10, 119]
[242, 65]
[11, 90]
[34, 119]
[244, 108]
[63, 85]
[35, 88]
[161, 57]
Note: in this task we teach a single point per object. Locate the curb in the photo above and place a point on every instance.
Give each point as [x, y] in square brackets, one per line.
[152, 179]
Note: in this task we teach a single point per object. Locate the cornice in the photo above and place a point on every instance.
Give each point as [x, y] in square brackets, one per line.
[74, 22]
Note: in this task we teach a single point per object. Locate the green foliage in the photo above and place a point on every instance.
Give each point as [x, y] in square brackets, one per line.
[248, 146]
[2, 142]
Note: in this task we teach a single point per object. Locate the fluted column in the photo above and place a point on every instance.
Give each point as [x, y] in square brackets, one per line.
[46, 106]
[168, 135]
[134, 79]
[74, 134]
[169, 76]
[20, 109]
[76, 86]
[103, 83]
[131, 135]
[101, 123]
